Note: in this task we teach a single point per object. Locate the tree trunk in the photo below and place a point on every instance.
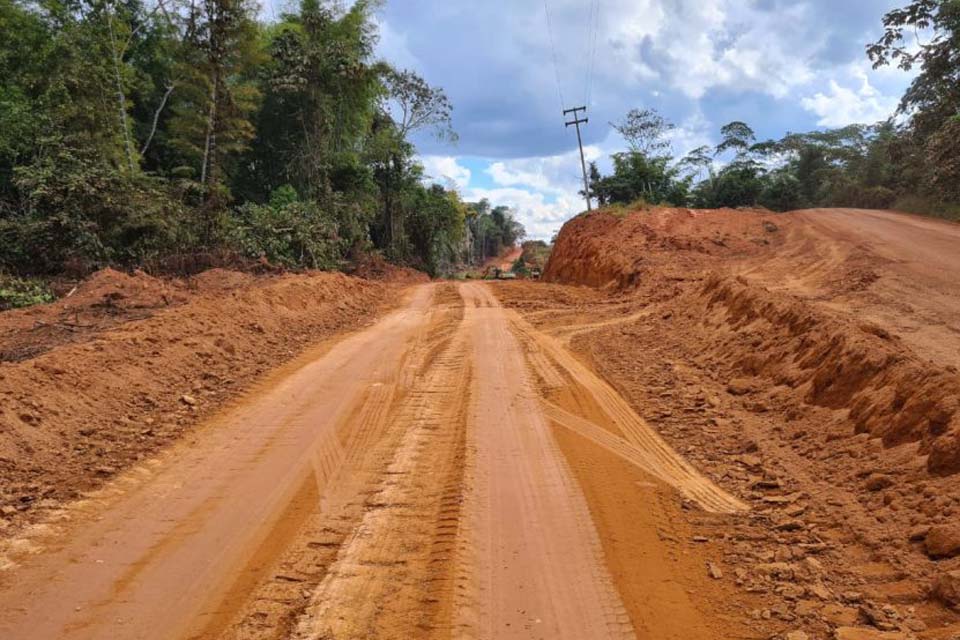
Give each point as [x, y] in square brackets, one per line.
[156, 118]
[210, 143]
[121, 95]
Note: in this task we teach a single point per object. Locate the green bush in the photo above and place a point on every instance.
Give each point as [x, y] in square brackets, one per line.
[286, 232]
[851, 194]
[928, 207]
[16, 293]
[80, 209]
[781, 193]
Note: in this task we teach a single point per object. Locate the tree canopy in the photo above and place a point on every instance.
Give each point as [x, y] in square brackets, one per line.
[136, 130]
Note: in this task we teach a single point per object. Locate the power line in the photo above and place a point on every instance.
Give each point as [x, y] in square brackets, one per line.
[594, 40]
[586, 49]
[553, 50]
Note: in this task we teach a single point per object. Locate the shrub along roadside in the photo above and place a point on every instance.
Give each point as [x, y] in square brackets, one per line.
[16, 293]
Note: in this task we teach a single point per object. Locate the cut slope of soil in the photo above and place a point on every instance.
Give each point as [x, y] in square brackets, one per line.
[827, 356]
[154, 359]
[807, 361]
[615, 250]
[837, 523]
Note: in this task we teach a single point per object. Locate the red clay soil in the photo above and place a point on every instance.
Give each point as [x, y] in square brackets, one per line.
[106, 299]
[615, 249]
[127, 364]
[374, 267]
[805, 362]
[825, 353]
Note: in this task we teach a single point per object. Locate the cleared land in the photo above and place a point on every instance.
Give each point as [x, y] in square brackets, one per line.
[745, 426]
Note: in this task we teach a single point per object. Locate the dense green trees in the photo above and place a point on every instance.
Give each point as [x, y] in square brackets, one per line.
[137, 129]
[912, 162]
[490, 230]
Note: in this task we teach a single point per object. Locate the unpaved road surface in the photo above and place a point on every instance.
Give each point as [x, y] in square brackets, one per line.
[405, 481]
[747, 427]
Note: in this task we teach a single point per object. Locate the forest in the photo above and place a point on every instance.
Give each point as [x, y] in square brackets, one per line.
[182, 134]
[910, 162]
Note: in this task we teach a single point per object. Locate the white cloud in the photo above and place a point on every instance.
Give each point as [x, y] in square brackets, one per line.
[394, 47]
[552, 175]
[446, 170]
[543, 191]
[696, 45]
[542, 217]
[843, 105]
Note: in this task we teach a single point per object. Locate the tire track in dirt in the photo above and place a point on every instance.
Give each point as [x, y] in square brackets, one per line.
[373, 434]
[393, 576]
[176, 551]
[612, 411]
[531, 564]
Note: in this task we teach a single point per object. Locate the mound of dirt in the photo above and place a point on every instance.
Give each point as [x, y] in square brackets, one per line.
[109, 289]
[374, 267]
[829, 358]
[833, 362]
[81, 411]
[106, 299]
[607, 249]
[220, 280]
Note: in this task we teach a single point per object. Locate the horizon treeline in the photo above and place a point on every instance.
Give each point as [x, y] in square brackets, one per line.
[173, 131]
[909, 162]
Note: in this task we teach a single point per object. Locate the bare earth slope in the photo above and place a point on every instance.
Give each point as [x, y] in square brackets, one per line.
[129, 364]
[807, 361]
[896, 270]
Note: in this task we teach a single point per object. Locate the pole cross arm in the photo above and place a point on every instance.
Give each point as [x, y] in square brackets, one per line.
[577, 121]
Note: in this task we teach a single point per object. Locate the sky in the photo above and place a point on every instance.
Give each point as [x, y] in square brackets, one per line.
[779, 65]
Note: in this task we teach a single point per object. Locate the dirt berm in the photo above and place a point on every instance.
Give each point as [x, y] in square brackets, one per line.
[99, 380]
[807, 363]
[827, 356]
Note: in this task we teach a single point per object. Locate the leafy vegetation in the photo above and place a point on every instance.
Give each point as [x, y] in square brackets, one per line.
[133, 131]
[491, 230]
[911, 162]
[16, 293]
[533, 259]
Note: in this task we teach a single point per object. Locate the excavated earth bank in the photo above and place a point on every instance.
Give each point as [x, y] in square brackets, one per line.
[807, 363]
[128, 363]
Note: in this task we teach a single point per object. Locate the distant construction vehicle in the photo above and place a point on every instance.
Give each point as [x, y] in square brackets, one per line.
[496, 273]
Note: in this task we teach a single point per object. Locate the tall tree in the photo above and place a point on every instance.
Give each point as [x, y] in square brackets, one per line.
[212, 120]
[737, 137]
[925, 33]
[645, 132]
[411, 105]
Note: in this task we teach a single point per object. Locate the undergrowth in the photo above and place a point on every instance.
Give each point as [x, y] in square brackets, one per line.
[16, 293]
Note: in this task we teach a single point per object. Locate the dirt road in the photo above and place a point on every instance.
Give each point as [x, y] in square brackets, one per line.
[898, 270]
[411, 480]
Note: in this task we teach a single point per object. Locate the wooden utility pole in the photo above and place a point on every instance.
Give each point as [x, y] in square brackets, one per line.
[577, 121]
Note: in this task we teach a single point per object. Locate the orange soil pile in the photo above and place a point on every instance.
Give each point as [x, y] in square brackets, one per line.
[147, 359]
[374, 267]
[827, 358]
[106, 299]
[833, 362]
[605, 249]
